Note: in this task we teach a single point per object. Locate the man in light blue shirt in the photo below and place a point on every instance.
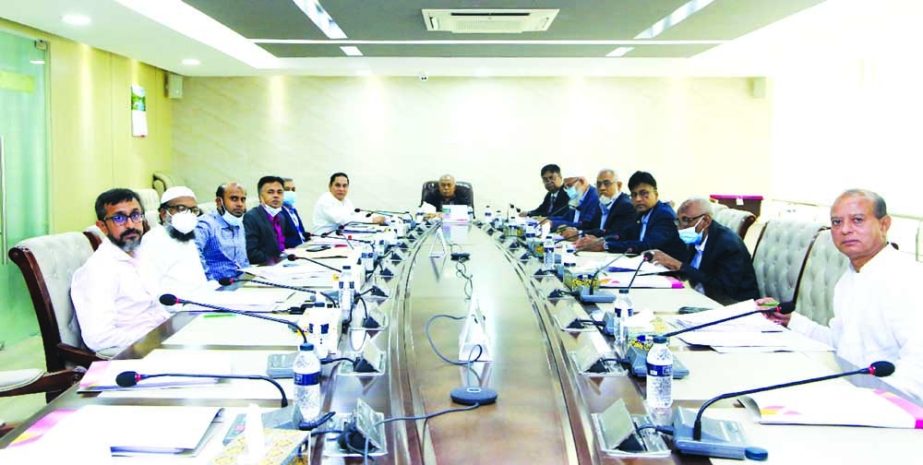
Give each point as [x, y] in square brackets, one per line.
[220, 234]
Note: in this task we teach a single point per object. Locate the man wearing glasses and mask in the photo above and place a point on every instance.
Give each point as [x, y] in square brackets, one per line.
[614, 215]
[219, 236]
[169, 256]
[719, 265]
[113, 306]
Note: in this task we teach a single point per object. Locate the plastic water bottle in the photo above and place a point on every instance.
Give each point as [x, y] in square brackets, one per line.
[548, 253]
[659, 376]
[307, 382]
[570, 257]
[346, 297]
[623, 309]
[488, 215]
[367, 262]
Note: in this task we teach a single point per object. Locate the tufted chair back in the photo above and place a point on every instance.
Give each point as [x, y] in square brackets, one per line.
[779, 257]
[823, 268]
[736, 220]
[48, 263]
[433, 186]
[163, 181]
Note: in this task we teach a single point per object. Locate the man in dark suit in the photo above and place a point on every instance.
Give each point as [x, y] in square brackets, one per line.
[584, 203]
[615, 213]
[448, 194]
[719, 265]
[654, 226]
[556, 200]
[265, 225]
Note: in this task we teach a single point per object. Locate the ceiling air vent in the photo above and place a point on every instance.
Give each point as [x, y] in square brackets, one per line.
[480, 21]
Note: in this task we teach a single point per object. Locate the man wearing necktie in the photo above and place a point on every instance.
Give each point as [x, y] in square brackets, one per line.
[556, 200]
[719, 265]
[289, 197]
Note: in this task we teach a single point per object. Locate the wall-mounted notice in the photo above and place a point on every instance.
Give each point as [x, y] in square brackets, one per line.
[138, 111]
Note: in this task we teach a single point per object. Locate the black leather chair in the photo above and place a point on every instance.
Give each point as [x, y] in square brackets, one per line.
[460, 186]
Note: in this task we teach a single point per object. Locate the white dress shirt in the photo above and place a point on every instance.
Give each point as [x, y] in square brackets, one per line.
[168, 265]
[877, 315]
[330, 213]
[114, 308]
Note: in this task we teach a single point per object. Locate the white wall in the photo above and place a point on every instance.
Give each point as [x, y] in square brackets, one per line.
[696, 135]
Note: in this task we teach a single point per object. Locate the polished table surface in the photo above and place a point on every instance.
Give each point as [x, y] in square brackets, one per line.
[542, 415]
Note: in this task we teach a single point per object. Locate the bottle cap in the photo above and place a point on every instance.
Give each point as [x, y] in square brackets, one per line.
[307, 346]
[623, 291]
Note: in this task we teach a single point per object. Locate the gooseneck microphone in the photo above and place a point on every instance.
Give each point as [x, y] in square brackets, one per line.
[879, 369]
[170, 299]
[292, 257]
[784, 308]
[383, 213]
[131, 378]
[567, 238]
[553, 213]
[229, 281]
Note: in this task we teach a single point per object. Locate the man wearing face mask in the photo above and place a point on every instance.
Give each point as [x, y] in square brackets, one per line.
[720, 265]
[615, 213]
[583, 201]
[289, 197]
[219, 235]
[265, 225]
[169, 257]
[113, 306]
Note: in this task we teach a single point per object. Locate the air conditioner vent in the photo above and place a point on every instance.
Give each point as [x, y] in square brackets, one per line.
[488, 21]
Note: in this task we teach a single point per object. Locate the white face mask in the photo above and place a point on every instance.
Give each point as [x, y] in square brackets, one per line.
[272, 210]
[184, 222]
[231, 219]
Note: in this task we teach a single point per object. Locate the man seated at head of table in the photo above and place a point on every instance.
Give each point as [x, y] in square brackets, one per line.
[654, 226]
[333, 210]
[219, 235]
[114, 307]
[719, 264]
[877, 314]
[169, 256]
[614, 214]
[447, 194]
[266, 227]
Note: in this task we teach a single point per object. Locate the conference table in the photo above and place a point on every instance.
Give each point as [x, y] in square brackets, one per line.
[543, 413]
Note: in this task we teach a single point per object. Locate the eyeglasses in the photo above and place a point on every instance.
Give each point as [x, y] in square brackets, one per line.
[182, 208]
[604, 183]
[687, 220]
[644, 194]
[121, 218]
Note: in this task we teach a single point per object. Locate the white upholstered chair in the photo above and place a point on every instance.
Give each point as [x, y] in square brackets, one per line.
[780, 255]
[823, 268]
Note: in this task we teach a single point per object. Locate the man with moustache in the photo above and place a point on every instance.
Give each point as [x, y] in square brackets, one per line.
[615, 214]
[219, 236]
[333, 210]
[114, 308]
[169, 257]
[265, 225]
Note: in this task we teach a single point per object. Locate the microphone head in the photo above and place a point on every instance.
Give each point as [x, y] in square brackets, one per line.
[291, 257]
[648, 256]
[127, 378]
[881, 369]
[221, 281]
[358, 210]
[786, 307]
[368, 214]
[169, 299]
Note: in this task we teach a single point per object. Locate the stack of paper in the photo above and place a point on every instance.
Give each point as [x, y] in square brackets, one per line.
[102, 374]
[624, 278]
[244, 299]
[299, 273]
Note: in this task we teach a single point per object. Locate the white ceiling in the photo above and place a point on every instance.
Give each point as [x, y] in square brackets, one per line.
[223, 52]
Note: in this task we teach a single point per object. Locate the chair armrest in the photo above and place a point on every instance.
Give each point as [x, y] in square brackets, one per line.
[50, 382]
[78, 356]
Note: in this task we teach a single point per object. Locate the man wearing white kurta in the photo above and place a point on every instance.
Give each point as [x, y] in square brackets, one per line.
[333, 209]
[169, 256]
[114, 307]
[876, 315]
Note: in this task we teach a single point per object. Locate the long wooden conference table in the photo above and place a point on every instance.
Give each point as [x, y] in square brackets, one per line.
[544, 406]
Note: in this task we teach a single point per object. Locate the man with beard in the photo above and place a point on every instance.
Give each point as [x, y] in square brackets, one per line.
[169, 257]
[113, 306]
[219, 236]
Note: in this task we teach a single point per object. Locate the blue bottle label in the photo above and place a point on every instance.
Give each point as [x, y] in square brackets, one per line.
[307, 379]
[659, 370]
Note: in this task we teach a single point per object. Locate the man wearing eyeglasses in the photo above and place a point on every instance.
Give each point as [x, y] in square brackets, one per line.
[719, 265]
[556, 200]
[654, 226]
[113, 306]
[614, 215]
[169, 256]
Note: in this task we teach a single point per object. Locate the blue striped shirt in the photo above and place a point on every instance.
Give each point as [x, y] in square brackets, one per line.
[222, 247]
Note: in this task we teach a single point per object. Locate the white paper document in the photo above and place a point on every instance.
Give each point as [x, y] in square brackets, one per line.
[754, 341]
[225, 329]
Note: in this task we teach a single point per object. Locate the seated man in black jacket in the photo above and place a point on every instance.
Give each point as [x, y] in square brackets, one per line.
[654, 227]
[719, 265]
[556, 200]
[448, 194]
[615, 213]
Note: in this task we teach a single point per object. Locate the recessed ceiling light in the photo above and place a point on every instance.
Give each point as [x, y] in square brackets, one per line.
[37, 62]
[684, 11]
[319, 16]
[75, 19]
[619, 52]
[191, 62]
[351, 51]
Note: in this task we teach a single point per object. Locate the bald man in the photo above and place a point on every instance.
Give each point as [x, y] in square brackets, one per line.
[448, 194]
[220, 234]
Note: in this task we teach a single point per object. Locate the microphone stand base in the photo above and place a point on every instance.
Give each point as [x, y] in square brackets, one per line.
[598, 297]
[473, 395]
[720, 438]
